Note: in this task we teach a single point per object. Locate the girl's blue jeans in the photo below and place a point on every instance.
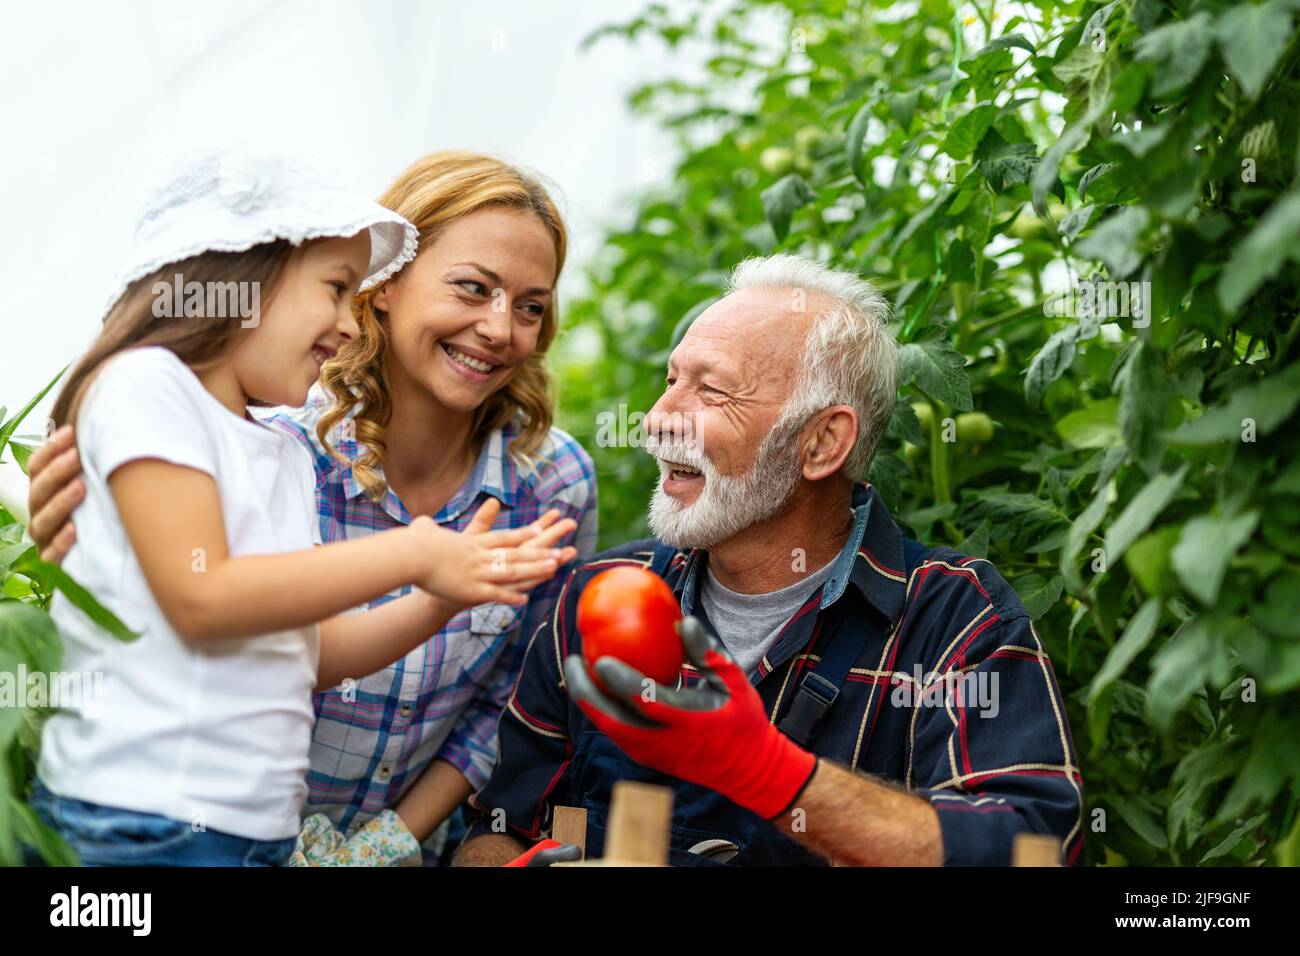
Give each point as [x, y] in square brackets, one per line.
[110, 836]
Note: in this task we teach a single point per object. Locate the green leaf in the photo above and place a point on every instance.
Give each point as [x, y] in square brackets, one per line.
[1004, 42]
[55, 577]
[1148, 560]
[1137, 813]
[1195, 774]
[1232, 839]
[1268, 403]
[1050, 363]
[1273, 758]
[1011, 514]
[1038, 594]
[902, 106]
[22, 450]
[1137, 635]
[1096, 425]
[975, 544]
[1048, 169]
[855, 140]
[1115, 241]
[965, 134]
[782, 199]
[9, 553]
[1005, 164]
[1273, 242]
[49, 845]
[9, 427]
[1279, 612]
[1077, 221]
[1288, 479]
[1144, 395]
[1141, 511]
[1180, 669]
[904, 425]
[1178, 50]
[1079, 67]
[938, 369]
[1288, 851]
[1091, 176]
[28, 638]
[887, 473]
[1140, 142]
[1081, 530]
[1252, 37]
[1206, 545]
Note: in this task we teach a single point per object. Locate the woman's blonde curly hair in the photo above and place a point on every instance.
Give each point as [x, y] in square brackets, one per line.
[433, 193]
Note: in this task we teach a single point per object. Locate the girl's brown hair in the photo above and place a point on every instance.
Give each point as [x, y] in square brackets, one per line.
[433, 193]
[196, 340]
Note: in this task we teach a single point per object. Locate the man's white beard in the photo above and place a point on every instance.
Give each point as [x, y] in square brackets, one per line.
[729, 503]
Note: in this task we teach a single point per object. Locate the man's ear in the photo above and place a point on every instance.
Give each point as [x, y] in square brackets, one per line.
[828, 440]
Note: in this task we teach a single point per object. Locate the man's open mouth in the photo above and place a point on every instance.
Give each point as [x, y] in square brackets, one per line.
[682, 472]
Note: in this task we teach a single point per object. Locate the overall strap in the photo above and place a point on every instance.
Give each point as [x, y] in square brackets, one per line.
[820, 687]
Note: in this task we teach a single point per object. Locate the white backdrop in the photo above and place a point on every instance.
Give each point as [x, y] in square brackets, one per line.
[94, 94]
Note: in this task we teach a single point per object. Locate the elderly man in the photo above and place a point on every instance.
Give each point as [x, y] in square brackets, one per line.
[853, 697]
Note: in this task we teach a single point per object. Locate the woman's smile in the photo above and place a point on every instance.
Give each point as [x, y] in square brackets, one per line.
[470, 363]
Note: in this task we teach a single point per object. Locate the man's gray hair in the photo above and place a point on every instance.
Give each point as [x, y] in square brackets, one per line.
[849, 357]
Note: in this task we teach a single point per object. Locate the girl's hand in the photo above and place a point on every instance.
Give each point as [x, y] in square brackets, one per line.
[55, 490]
[479, 566]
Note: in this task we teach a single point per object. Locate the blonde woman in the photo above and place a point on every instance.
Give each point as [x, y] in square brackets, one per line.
[440, 403]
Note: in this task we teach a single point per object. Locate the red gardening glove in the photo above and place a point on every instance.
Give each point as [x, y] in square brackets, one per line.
[715, 734]
[546, 852]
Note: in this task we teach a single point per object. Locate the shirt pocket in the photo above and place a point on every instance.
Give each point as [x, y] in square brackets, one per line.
[477, 649]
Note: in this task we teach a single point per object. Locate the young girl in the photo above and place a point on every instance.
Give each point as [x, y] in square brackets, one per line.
[198, 521]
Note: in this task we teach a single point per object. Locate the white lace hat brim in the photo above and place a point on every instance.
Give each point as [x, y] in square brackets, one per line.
[310, 214]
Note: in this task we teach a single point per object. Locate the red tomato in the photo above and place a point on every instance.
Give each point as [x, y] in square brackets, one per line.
[630, 613]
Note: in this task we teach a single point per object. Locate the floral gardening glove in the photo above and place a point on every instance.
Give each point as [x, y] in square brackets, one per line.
[383, 841]
[316, 840]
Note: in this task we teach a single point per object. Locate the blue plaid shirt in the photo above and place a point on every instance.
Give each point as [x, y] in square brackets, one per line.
[991, 767]
[373, 738]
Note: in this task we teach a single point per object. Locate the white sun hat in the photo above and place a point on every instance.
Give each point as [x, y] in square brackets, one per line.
[231, 199]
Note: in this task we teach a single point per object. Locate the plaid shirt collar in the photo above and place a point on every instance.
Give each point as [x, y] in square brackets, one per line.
[495, 473]
[876, 571]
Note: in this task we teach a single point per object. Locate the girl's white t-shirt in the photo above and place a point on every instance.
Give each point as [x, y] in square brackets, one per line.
[216, 736]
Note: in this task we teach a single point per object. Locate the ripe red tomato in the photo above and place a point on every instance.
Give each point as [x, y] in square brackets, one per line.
[630, 613]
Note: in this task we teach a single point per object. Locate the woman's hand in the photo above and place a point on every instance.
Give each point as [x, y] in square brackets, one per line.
[54, 493]
[479, 565]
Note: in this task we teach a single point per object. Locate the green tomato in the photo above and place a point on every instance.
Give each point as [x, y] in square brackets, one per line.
[777, 160]
[808, 138]
[911, 455]
[974, 428]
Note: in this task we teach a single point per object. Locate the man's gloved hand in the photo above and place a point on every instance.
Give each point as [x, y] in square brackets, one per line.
[716, 734]
[382, 841]
[546, 852]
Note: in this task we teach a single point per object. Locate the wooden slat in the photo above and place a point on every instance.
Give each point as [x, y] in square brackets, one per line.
[1035, 849]
[570, 826]
[639, 817]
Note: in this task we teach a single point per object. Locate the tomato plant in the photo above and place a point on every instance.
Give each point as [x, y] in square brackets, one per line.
[1087, 219]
